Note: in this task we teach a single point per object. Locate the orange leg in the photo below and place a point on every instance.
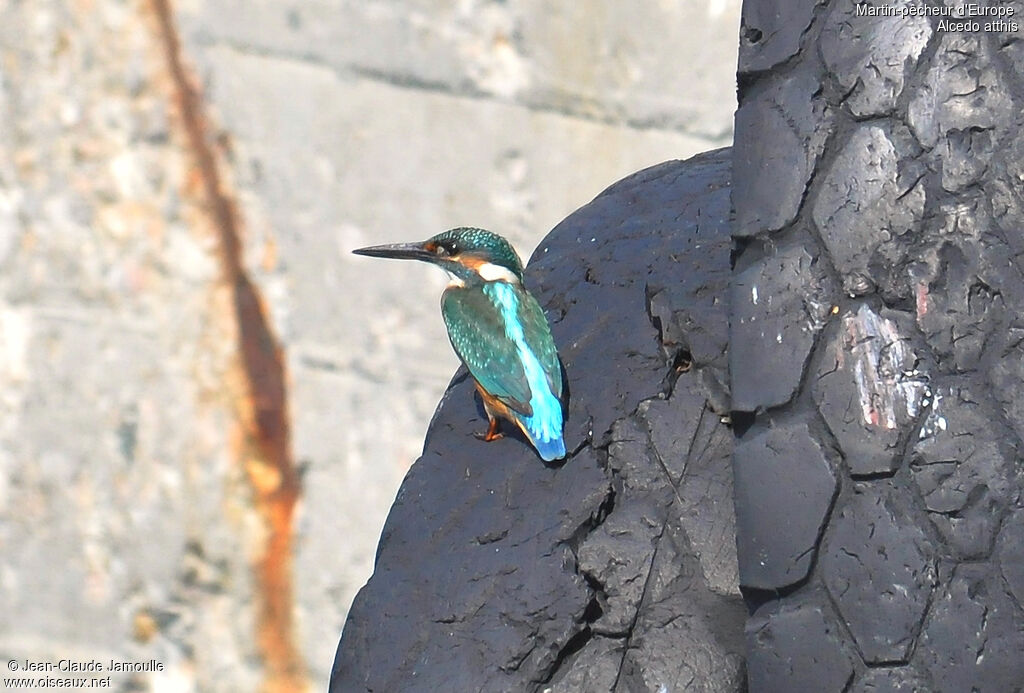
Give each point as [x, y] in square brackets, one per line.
[490, 404]
[492, 433]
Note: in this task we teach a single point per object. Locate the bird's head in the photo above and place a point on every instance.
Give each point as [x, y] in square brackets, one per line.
[469, 255]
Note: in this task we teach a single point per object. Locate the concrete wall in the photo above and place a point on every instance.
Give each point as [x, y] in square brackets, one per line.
[206, 402]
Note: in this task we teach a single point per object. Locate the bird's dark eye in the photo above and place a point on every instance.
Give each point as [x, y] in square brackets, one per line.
[445, 249]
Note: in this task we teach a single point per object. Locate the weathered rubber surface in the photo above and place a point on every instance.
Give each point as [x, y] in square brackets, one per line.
[876, 350]
[878, 393]
[615, 571]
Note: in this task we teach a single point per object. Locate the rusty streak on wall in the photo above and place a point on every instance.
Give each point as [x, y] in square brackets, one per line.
[263, 411]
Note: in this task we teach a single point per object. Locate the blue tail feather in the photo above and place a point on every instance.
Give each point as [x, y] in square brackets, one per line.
[544, 428]
[544, 425]
[551, 449]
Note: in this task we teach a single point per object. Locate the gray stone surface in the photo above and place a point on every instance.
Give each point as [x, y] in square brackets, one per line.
[592, 60]
[333, 125]
[125, 531]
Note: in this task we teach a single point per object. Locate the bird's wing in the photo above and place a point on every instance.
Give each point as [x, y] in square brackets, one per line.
[477, 331]
[543, 345]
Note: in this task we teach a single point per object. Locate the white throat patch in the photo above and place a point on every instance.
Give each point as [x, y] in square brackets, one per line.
[490, 272]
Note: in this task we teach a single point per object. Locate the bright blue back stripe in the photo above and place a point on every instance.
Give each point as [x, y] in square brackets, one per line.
[545, 425]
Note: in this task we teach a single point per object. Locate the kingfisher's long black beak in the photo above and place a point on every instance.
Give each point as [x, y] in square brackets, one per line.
[398, 251]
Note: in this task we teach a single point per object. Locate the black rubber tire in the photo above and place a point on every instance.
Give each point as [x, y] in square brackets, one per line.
[876, 349]
[616, 570]
[877, 388]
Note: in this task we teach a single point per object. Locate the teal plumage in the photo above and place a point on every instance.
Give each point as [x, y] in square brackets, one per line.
[488, 329]
[498, 331]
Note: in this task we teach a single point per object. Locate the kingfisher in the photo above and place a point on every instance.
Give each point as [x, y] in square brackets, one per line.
[498, 330]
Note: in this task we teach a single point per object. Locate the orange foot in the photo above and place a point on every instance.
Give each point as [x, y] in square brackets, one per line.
[492, 432]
